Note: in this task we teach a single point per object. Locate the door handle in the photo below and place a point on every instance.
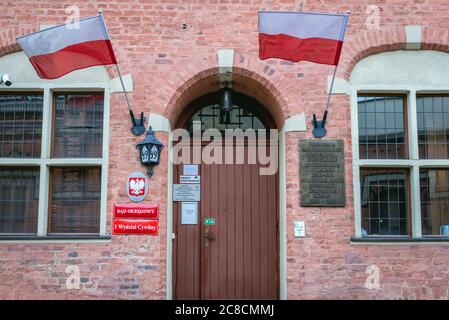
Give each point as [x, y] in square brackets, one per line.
[207, 237]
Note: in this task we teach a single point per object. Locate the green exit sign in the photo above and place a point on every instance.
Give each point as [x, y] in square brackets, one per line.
[209, 221]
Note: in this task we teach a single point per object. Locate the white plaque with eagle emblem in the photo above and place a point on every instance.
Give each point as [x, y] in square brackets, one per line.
[137, 186]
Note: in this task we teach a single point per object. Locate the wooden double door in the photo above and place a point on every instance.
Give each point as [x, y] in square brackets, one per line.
[237, 257]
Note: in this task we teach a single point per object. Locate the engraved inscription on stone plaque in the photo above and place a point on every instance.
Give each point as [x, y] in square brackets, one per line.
[322, 173]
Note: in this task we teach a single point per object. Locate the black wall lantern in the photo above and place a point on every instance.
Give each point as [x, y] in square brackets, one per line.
[226, 104]
[150, 151]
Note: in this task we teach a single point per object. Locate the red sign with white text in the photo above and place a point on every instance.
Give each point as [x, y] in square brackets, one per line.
[142, 211]
[123, 226]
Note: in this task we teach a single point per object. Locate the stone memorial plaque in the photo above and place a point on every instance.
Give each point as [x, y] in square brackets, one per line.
[322, 173]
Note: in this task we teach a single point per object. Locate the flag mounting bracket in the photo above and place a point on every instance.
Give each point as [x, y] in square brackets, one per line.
[138, 128]
[319, 130]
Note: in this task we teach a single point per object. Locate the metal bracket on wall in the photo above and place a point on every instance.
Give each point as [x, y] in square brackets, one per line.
[137, 129]
[319, 130]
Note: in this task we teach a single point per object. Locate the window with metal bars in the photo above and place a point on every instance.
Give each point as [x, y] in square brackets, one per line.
[433, 126]
[384, 201]
[211, 117]
[434, 201]
[19, 200]
[78, 126]
[75, 200]
[383, 141]
[73, 193]
[20, 125]
[381, 127]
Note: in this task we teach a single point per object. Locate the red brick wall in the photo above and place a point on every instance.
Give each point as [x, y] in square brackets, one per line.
[171, 66]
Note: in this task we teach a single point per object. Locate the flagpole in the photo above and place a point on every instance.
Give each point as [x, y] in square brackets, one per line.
[330, 90]
[100, 12]
[123, 86]
[136, 129]
[333, 77]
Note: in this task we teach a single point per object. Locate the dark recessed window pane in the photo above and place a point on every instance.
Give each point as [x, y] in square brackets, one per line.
[381, 127]
[245, 114]
[433, 127]
[384, 201]
[20, 125]
[78, 126]
[212, 117]
[435, 201]
[19, 200]
[75, 200]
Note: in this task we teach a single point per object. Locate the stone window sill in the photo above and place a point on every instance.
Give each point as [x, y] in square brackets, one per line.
[387, 240]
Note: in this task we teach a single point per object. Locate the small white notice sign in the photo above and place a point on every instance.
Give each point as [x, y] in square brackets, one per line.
[189, 212]
[190, 170]
[189, 179]
[186, 192]
[299, 228]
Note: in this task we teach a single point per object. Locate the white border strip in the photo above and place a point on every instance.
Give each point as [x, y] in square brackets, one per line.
[169, 263]
[282, 218]
[105, 164]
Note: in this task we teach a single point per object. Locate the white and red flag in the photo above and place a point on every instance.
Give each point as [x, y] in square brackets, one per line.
[58, 50]
[296, 36]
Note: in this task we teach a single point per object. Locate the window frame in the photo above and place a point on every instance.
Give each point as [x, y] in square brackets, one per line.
[412, 163]
[15, 234]
[408, 195]
[30, 92]
[405, 115]
[45, 162]
[431, 95]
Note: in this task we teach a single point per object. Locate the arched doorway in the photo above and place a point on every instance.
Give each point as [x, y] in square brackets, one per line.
[231, 250]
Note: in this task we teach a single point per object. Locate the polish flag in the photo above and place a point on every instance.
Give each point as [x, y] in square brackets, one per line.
[296, 36]
[56, 51]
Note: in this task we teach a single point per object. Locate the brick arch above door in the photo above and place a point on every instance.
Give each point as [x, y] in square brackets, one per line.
[250, 76]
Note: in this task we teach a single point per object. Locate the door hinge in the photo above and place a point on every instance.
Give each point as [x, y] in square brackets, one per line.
[173, 236]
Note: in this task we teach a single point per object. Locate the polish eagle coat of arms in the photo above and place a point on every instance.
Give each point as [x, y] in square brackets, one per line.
[137, 186]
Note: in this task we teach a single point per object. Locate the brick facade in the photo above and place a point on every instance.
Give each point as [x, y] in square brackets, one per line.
[172, 66]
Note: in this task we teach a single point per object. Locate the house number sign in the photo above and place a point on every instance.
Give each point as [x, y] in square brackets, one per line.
[151, 156]
[154, 154]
